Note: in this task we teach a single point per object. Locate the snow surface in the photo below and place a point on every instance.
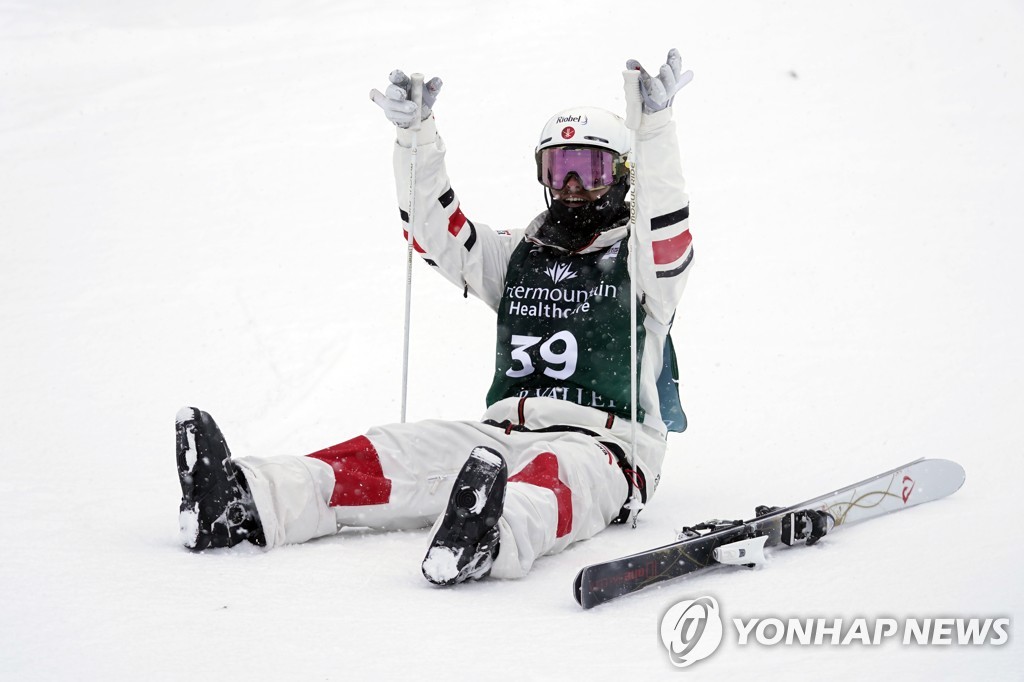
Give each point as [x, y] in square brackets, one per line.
[196, 208]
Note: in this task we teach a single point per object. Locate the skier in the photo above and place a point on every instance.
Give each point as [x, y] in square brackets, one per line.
[551, 461]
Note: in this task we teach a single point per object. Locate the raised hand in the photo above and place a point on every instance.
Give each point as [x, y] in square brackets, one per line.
[658, 92]
[396, 100]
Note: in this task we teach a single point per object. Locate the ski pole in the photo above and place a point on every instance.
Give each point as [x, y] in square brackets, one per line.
[416, 95]
[634, 110]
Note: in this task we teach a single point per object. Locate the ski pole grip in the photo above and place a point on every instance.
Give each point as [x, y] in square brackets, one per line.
[634, 101]
[416, 94]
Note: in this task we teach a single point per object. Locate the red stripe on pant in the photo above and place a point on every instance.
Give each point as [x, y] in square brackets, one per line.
[543, 473]
[358, 476]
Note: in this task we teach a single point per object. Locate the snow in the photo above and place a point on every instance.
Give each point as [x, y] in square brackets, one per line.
[191, 454]
[479, 500]
[442, 564]
[196, 207]
[185, 414]
[188, 527]
[487, 456]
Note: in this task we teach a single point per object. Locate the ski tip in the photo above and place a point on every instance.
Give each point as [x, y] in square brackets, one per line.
[948, 471]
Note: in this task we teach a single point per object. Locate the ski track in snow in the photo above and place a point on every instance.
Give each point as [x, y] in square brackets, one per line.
[197, 208]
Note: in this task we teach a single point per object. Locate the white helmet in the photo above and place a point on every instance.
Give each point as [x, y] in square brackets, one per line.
[588, 127]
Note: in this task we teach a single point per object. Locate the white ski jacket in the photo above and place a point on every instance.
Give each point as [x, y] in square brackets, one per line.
[476, 258]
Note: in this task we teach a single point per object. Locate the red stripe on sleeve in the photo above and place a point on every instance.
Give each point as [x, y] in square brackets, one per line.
[415, 244]
[672, 249]
[456, 222]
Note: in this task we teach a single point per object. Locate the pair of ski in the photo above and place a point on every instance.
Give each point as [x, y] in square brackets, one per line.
[742, 542]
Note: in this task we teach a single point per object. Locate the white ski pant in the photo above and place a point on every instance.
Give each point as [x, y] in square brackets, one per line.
[565, 482]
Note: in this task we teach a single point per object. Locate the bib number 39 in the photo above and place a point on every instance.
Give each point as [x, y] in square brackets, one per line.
[559, 354]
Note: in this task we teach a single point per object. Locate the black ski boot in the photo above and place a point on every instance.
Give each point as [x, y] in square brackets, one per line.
[466, 543]
[216, 507]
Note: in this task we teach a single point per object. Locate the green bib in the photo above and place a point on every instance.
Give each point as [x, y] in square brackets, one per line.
[563, 328]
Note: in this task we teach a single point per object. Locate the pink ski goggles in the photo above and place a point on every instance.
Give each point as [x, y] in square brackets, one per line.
[596, 168]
